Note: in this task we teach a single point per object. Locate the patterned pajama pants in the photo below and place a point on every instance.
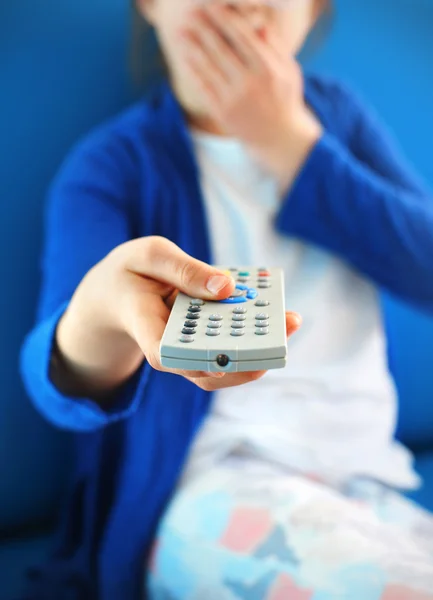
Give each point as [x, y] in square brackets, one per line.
[252, 533]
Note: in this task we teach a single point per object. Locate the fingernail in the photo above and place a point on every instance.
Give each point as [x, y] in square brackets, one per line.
[216, 283]
[216, 375]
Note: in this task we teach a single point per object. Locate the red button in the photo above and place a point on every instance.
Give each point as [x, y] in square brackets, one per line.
[264, 274]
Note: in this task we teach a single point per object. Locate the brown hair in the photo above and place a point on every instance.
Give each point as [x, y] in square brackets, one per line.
[148, 62]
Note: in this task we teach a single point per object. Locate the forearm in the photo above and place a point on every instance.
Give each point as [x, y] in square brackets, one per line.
[286, 154]
[386, 233]
[93, 354]
[91, 362]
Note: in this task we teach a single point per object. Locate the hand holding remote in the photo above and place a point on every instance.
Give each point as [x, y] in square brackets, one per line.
[245, 332]
[118, 314]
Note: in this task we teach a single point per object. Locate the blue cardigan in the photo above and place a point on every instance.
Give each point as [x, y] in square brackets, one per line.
[136, 176]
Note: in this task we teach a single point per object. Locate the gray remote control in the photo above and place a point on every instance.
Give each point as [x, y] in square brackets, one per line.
[246, 332]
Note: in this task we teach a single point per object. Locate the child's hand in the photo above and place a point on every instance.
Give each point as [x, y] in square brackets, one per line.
[253, 91]
[118, 315]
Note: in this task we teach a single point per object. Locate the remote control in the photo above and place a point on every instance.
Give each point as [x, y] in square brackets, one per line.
[246, 332]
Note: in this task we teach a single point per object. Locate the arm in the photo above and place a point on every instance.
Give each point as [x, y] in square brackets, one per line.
[87, 216]
[366, 205]
[106, 300]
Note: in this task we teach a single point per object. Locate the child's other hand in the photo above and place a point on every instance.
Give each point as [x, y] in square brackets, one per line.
[118, 314]
[253, 91]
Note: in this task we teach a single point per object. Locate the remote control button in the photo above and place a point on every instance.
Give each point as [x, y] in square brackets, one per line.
[234, 269]
[239, 297]
[233, 300]
[264, 285]
[239, 317]
[243, 279]
[191, 317]
[213, 332]
[262, 316]
[189, 330]
[191, 323]
[262, 302]
[197, 302]
[237, 293]
[238, 325]
[239, 310]
[252, 294]
[237, 332]
[264, 274]
[243, 274]
[262, 269]
[262, 323]
[216, 317]
[186, 339]
[194, 309]
[214, 325]
[262, 331]
[263, 280]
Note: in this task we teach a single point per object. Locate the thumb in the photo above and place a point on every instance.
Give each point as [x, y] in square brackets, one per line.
[160, 259]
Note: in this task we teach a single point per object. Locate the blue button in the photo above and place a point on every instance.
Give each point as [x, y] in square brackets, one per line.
[234, 300]
[251, 294]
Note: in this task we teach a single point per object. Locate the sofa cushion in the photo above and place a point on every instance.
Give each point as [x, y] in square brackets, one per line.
[15, 558]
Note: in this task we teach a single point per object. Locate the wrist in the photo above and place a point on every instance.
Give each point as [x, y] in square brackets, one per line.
[296, 140]
[92, 355]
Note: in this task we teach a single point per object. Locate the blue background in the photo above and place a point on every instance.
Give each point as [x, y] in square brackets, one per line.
[63, 69]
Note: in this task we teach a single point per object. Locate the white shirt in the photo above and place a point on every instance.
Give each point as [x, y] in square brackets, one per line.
[332, 411]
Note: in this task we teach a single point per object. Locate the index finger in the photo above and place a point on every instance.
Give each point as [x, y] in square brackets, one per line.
[160, 259]
[241, 36]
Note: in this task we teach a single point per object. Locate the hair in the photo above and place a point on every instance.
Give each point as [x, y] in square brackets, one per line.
[147, 60]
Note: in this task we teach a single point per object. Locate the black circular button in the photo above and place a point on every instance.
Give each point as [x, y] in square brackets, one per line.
[191, 323]
[189, 330]
[222, 360]
[191, 315]
[194, 309]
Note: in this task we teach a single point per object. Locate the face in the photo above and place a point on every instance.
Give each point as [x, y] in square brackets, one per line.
[289, 21]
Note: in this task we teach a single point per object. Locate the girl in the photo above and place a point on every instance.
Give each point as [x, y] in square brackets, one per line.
[286, 487]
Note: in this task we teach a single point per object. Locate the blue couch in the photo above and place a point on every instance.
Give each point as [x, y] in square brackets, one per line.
[63, 68]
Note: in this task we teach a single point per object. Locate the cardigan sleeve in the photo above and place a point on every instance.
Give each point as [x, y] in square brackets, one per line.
[88, 214]
[363, 202]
